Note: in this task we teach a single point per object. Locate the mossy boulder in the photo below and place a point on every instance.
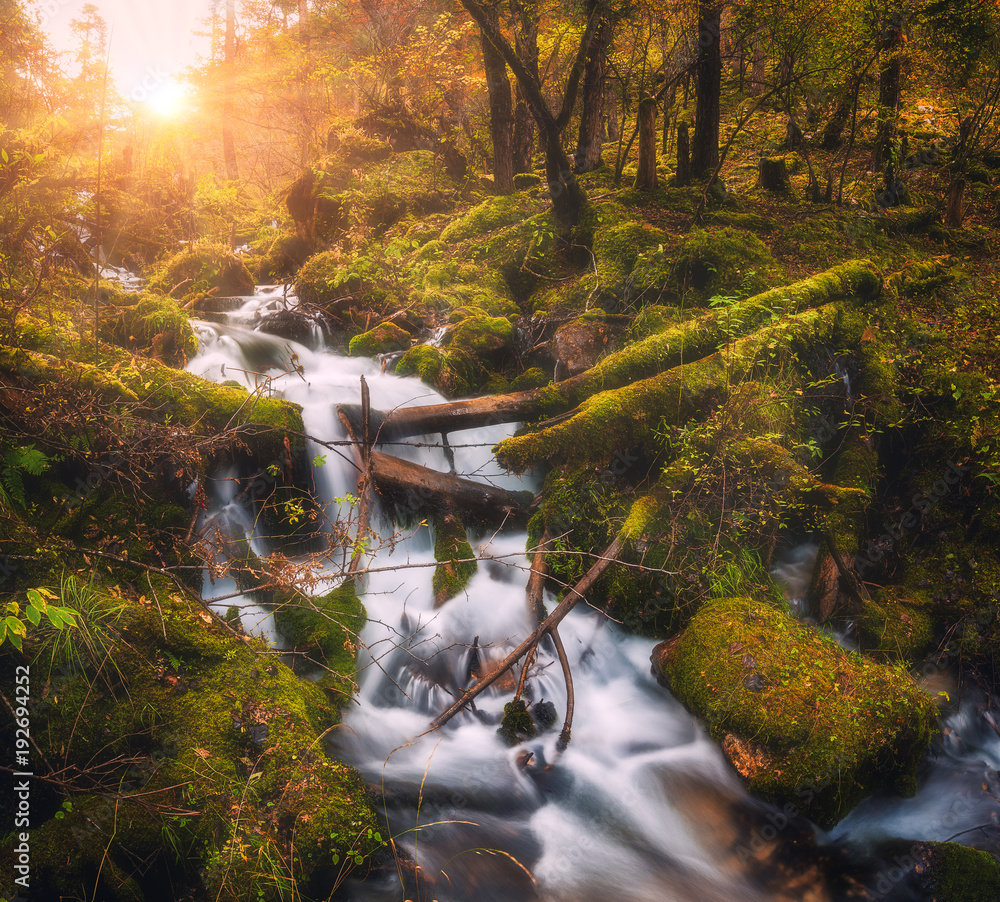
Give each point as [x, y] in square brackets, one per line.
[203, 268]
[325, 631]
[724, 261]
[150, 324]
[492, 214]
[897, 624]
[383, 339]
[283, 259]
[484, 337]
[164, 702]
[449, 372]
[456, 563]
[802, 720]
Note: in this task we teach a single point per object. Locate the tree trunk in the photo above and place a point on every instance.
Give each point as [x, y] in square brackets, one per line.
[526, 43]
[955, 211]
[773, 174]
[683, 156]
[568, 198]
[229, 85]
[708, 85]
[758, 71]
[501, 110]
[588, 145]
[611, 112]
[410, 489]
[643, 359]
[645, 177]
[890, 84]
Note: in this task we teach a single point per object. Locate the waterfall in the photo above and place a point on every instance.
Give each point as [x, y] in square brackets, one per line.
[641, 806]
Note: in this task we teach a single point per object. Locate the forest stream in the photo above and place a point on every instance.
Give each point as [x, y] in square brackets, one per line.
[642, 805]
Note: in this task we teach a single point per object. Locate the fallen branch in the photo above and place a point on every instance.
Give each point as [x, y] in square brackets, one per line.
[574, 595]
[567, 729]
[412, 488]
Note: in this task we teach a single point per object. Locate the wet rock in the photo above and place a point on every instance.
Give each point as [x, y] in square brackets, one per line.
[580, 344]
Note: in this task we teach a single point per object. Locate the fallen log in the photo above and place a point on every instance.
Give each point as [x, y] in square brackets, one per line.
[410, 489]
[644, 359]
[627, 417]
[574, 595]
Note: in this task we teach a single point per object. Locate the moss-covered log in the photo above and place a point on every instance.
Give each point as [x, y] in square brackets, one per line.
[802, 720]
[649, 357]
[628, 416]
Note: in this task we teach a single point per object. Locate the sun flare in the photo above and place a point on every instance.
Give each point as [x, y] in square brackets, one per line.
[168, 99]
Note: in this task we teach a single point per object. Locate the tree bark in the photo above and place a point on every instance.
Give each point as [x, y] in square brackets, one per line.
[568, 198]
[526, 45]
[890, 84]
[229, 86]
[708, 85]
[645, 177]
[955, 211]
[683, 156]
[501, 109]
[411, 489]
[588, 145]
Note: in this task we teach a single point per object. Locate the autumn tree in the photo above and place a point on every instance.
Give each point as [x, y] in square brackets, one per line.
[568, 198]
[708, 87]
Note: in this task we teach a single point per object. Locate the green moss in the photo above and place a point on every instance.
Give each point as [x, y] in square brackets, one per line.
[961, 874]
[325, 631]
[456, 563]
[151, 324]
[204, 267]
[383, 339]
[628, 416]
[897, 624]
[517, 724]
[802, 720]
[176, 707]
[492, 214]
[724, 261]
[450, 373]
[482, 336]
[529, 379]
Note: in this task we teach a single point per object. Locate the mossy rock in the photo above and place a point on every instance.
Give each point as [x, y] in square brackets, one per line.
[205, 268]
[456, 563]
[535, 377]
[325, 631]
[725, 261]
[153, 325]
[897, 624]
[492, 214]
[485, 337]
[450, 373]
[172, 705]
[285, 256]
[801, 720]
[383, 339]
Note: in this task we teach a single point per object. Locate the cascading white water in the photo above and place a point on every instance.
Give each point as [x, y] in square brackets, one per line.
[640, 806]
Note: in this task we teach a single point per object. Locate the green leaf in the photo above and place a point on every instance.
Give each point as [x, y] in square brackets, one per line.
[3, 153]
[34, 615]
[15, 627]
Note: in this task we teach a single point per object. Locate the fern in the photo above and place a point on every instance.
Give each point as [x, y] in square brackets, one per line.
[13, 465]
